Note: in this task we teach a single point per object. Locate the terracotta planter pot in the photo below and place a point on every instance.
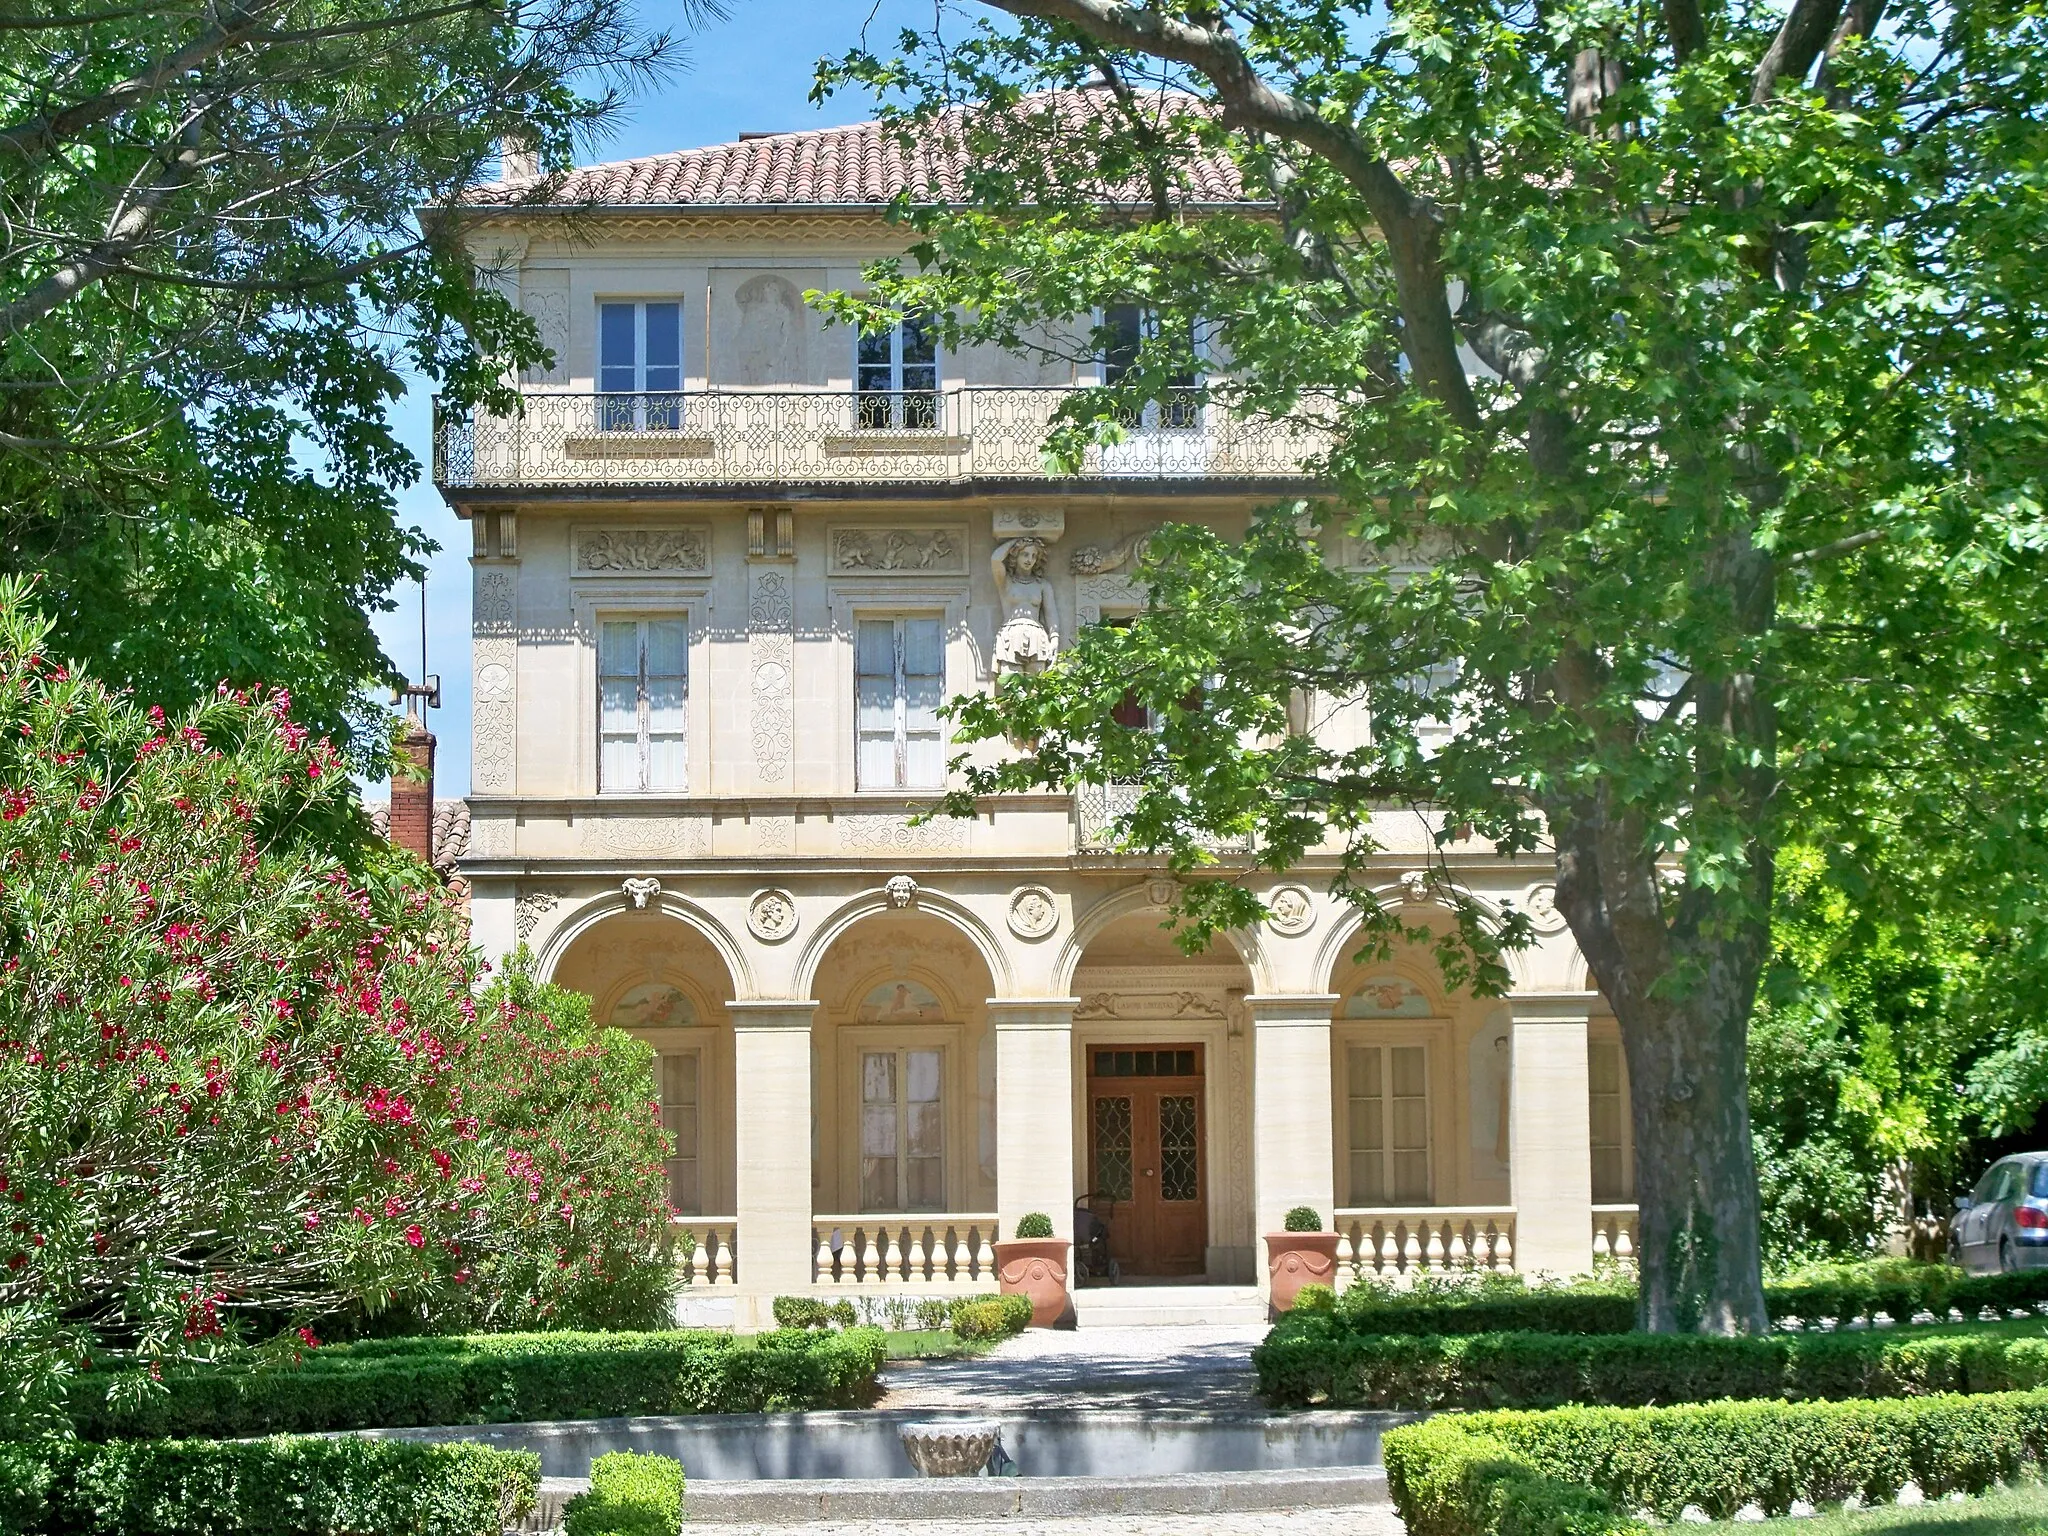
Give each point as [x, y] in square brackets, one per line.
[1036, 1267]
[1295, 1259]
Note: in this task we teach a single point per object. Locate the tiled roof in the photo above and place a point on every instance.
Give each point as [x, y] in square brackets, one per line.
[451, 830]
[862, 165]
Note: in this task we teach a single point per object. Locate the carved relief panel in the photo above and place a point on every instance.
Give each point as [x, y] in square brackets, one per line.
[494, 659]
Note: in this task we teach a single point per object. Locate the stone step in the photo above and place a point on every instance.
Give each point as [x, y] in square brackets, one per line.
[1185, 1306]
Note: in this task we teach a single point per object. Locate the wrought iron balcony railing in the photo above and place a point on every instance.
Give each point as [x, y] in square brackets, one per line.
[741, 437]
[1099, 812]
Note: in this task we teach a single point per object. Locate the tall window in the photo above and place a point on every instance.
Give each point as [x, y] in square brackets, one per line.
[1130, 326]
[896, 377]
[902, 1131]
[1388, 1090]
[1610, 1166]
[642, 680]
[681, 1084]
[899, 680]
[640, 367]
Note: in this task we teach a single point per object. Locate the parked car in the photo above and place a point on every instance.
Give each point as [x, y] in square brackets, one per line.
[2003, 1224]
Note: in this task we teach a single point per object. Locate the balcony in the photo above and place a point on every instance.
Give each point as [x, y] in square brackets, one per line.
[782, 437]
[1099, 812]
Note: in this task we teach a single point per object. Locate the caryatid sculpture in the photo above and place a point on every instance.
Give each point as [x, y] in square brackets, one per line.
[1029, 638]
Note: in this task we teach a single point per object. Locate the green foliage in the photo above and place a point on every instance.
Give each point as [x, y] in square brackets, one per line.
[630, 1495]
[1315, 1298]
[801, 1312]
[1723, 1456]
[492, 1379]
[1449, 1481]
[990, 1317]
[1898, 1289]
[199, 454]
[1302, 1218]
[843, 1313]
[276, 1487]
[1737, 540]
[1034, 1225]
[246, 1083]
[1310, 1362]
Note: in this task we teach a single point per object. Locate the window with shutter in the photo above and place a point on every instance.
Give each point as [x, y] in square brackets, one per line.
[643, 689]
[1387, 1093]
[896, 377]
[899, 683]
[902, 1130]
[681, 1086]
[640, 366]
[1605, 1111]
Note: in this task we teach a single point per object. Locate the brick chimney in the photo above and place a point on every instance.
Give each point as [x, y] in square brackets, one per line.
[412, 799]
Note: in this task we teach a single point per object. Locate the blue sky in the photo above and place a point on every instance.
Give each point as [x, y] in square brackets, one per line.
[750, 73]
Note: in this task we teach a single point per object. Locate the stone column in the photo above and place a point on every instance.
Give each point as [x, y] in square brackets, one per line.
[1294, 1158]
[1034, 1110]
[772, 1140]
[1550, 1157]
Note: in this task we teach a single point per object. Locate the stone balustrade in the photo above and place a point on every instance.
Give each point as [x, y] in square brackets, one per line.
[908, 1251]
[1400, 1243]
[742, 437]
[713, 1257]
[1615, 1234]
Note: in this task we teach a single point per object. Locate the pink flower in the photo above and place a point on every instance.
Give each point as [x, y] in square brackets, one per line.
[311, 1220]
[414, 1235]
[306, 1337]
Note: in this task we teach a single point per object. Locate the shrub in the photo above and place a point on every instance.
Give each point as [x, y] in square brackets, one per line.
[800, 1312]
[1309, 1360]
[932, 1313]
[245, 1077]
[1718, 1456]
[495, 1379]
[1035, 1225]
[1303, 1218]
[843, 1313]
[1315, 1298]
[1844, 1293]
[990, 1317]
[278, 1487]
[630, 1495]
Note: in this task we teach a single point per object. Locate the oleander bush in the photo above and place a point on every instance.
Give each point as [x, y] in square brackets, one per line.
[493, 1379]
[631, 1494]
[1309, 1360]
[1581, 1471]
[990, 1317]
[285, 1486]
[1839, 1293]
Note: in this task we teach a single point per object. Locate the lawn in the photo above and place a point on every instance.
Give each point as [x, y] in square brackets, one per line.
[2015, 1512]
[933, 1344]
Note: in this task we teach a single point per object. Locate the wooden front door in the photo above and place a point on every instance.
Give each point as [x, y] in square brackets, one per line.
[1145, 1154]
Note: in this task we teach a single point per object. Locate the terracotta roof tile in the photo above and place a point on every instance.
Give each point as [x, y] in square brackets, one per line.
[861, 165]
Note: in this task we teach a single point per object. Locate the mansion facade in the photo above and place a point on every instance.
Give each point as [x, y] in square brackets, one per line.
[728, 564]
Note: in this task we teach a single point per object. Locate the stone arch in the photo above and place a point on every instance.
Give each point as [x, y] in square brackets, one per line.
[1121, 904]
[927, 903]
[1335, 951]
[591, 913]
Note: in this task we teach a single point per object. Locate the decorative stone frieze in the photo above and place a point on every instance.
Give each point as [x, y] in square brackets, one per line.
[771, 660]
[926, 551]
[529, 907]
[641, 551]
[899, 834]
[1047, 523]
[645, 836]
[494, 680]
[1150, 1005]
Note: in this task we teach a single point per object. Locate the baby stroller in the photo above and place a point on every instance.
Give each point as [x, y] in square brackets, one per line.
[1091, 1238]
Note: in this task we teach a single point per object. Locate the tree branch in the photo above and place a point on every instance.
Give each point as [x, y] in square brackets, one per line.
[1798, 43]
[1411, 229]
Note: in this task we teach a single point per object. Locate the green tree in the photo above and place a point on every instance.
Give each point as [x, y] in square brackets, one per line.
[215, 273]
[1678, 371]
[244, 1082]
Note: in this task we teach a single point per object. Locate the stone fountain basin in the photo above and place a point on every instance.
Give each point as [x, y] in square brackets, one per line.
[867, 1443]
[949, 1447]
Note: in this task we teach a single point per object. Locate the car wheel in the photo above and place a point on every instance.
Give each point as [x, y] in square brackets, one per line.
[2005, 1263]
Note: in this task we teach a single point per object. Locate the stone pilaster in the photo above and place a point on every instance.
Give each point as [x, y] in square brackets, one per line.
[1550, 1161]
[771, 648]
[1034, 1110]
[494, 659]
[1294, 1159]
[772, 1142]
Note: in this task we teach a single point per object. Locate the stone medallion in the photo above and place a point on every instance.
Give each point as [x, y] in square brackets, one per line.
[1033, 912]
[1291, 910]
[771, 916]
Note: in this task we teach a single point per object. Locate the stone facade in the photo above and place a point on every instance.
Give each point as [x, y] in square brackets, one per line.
[886, 1038]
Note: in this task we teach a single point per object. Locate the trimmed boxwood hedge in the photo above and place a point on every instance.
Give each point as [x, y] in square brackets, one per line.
[1839, 1294]
[278, 1487]
[495, 1379]
[990, 1317]
[1581, 1471]
[631, 1494]
[1312, 1361]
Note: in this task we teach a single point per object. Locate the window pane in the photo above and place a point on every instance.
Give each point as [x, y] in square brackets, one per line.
[925, 1136]
[874, 648]
[1368, 1187]
[679, 1078]
[618, 766]
[876, 699]
[1368, 1133]
[878, 1077]
[667, 647]
[926, 1177]
[664, 347]
[1409, 1079]
[1125, 322]
[924, 1077]
[615, 347]
[924, 650]
[919, 345]
[1365, 1071]
[876, 766]
[1411, 1124]
[924, 762]
[619, 705]
[873, 349]
[878, 1184]
[683, 1191]
[1411, 1178]
[666, 763]
[1603, 1066]
[618, 652]
[1607, 1176]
